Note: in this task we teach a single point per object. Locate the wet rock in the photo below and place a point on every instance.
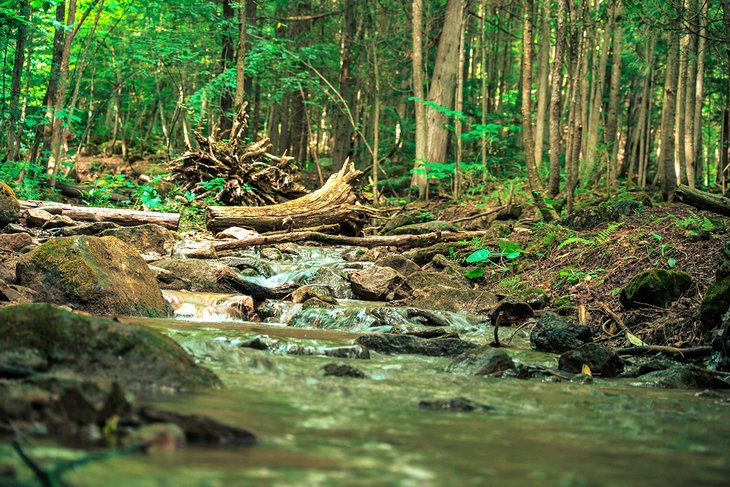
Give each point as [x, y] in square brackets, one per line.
[423, 228]
[199, 275]
[401, 264]
[554, 334]
[91, 346]
[657, 287]
[450, 272]
[482, 361]
[592, 216]
[257, 266]
[9, 206]
[436, 347]
[100, 275]
[261, 342]
[158, 437]
[334, 280]
[459, 404]
[343, 370]
[511, 312]
[237, 233]
[601, 360]
[15, 228]
[59, 221]
[330, 318]
[356, 351]
[321, 293]
[200, 430]
[270, 253]
[94, 228]
[35, 217]
[454, 299]
[683, 377]
[535, 297]
[375, 283]
[715, 304]
[26, 359]
[15, 242]
[147, 239]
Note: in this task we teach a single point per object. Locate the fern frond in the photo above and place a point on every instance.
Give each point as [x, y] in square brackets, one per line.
[573, 240]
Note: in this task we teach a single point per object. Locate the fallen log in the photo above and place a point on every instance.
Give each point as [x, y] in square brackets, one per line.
[120, 216]
[334, 203]
[399, 241]
[703, 200]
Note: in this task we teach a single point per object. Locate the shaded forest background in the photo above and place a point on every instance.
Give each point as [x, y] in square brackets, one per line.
[452, 97]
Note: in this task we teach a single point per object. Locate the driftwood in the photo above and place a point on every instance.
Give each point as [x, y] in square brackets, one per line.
[334, 203]
[124, 217]
[250, 175]
[399, 241]
[703, 200]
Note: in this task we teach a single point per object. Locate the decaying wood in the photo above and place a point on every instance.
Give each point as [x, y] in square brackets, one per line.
[337, 202]
[703, 200]
[251, 175]
[124, 217]
[399, 241]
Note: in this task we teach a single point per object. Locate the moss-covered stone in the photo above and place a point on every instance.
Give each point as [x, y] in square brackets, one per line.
[9, 207]
[592, 216]
[422, 228]
[657, 287]
[100, 275]
[439, 297]
[715, 304]
[723, 265]
[92, 346]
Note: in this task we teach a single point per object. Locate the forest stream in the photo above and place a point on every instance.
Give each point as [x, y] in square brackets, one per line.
[388, 428]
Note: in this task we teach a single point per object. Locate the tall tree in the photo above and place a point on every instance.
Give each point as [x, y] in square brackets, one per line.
[342, 127]
[420, 178]
[556, 86]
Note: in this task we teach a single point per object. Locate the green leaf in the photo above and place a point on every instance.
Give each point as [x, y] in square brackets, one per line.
[478, 256]
[634, 340]
[475, 273]
[671, 262]
[512, 255]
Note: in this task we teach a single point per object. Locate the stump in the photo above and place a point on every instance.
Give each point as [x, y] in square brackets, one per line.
[337, 202]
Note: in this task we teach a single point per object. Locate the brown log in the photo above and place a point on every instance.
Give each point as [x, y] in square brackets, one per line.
[703, 200]
[399, 241]
[124, 217]
[334, 203]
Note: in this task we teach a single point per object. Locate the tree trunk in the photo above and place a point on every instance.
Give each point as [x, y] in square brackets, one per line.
[443, 81]
[459, 108]
[556, 86]
[240, 55]
[613, 98]
[120, 216]
[542, 83]
[227, 50]
[699, 93]
[680, 156]
[669, 107]
[702, 200]
[533, 178]
[420, 175]
[343, 128]
[21, 36]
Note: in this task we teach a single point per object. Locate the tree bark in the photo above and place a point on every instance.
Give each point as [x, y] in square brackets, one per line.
[225, 120]
[21, 36]
[669, 107]
[240, 55]
[556, 86]
[703, 200]
[343, 128]
[613, 98]
[699, 93]
[120, 216]
[420, 176]
[542, 83]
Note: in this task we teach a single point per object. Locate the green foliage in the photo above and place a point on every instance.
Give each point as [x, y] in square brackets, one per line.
[478, 256]
[34, 185]
[571, 275]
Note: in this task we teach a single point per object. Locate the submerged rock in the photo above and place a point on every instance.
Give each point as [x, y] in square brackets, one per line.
[135, 356]
[555, 334]
[657, 287]
[459, 404]
[601, 360]
[343, 370]
[482, 361]
[99, 275]
[683, 377]
[441, 346]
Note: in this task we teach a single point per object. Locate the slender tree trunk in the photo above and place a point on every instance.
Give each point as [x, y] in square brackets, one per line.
[613, 98]
[240, 55]
[459, 108]
[669, 107]
[680, 156]
[21, 36]
[420, 175]
[485, 73]
[343, 128]
[533, 178]
[225, 121]
[556, 86]
[699, 93]
[542, 83]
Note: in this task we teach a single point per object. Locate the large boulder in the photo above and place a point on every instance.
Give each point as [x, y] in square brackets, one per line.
[375, 283]
[555, 334]
[199, 275]
[656, 287]
[61, 340]
[454, 299]
[100, 275]
[148, 239]
[9, 207]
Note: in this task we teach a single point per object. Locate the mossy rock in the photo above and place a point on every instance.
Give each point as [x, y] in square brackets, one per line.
[101, 275]
[592, 216]
[93, 346]
[723, 265]
[9, 206]
[438, 297]
[656, 287]
[423, 228]
[715, 304]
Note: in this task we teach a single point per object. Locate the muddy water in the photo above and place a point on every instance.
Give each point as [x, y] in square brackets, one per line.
[318, 430]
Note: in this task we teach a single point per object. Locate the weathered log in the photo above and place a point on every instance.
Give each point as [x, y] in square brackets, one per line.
[334, 203]
[124, 217]
[399, 241]
[703, 200]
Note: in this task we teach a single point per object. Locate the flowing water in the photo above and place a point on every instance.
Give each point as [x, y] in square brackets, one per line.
[322, 430]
